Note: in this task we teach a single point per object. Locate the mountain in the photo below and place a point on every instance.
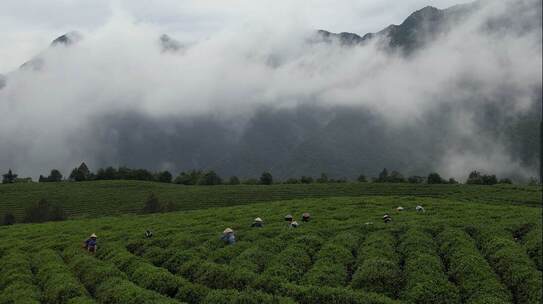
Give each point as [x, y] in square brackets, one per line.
[341, 140]
[419, 28]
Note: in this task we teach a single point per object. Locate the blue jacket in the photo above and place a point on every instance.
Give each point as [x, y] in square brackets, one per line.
[229, 238]
[90, 242]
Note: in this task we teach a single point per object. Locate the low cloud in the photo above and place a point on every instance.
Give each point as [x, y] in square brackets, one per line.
[119, 68]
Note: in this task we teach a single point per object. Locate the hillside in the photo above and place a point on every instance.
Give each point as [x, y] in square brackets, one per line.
[431, 97]
[104, 198]
[453, 253]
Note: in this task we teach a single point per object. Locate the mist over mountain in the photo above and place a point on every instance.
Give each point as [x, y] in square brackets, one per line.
[447, 90]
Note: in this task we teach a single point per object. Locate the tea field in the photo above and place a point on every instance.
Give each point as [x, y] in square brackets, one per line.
[98, 198]
[458, 251]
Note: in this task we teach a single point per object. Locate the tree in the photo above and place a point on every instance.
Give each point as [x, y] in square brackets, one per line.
[266, 178]
[9, 177]
[383, 176]
[164, 177]
[490, 179]
[415, 179]
[250, 181]
[188, 178]
[108, 173]
[505, 181]
[474, 178]
[54, 176]
[210, 178]
[434, 178]
[395, 177]
[152, 204]
[292, 181]
[42, 179]
[306, 180]
[452, 181]
[9, 219]
[77, 176]
[42, 211]
[234, 180]
[170, 206]
[323, 179]
[361, 178]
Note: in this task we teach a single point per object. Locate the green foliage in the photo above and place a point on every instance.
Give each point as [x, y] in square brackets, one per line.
[116, 290]
[469, 270]
[230, 296]
[476, 178]
[393, 177]
[266, 178]
[9, 219]
[164, 177]
[345, 254]
[234, 180]
[510, 261]
[54, 176]
[55, 278]
[42, 211]
[9, 178]
[362, 178]
[378, 269]
[81, 173]
[210, 178]
[425, 282]
[152, 204]
[435, 178]
[16, 281]
[98, 198]
[532, 243]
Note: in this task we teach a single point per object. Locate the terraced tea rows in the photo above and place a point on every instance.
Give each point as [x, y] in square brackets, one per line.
[101, 198]
[453, 253]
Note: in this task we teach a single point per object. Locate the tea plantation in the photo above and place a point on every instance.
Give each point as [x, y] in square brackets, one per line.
[98, 198]
[458, 251]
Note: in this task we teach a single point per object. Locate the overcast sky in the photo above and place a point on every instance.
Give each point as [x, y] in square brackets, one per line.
[28, 26]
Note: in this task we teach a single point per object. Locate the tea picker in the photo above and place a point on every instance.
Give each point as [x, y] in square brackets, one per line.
[228, 236]
[148, 234]
[387, 218]
[258, 223]
[91, 244]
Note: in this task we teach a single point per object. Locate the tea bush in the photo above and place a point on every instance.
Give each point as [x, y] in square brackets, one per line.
[16, 281]
[425, 281]
[56, 280]
[532, 243]
[378, 261]
[510, 261]
[469, 270]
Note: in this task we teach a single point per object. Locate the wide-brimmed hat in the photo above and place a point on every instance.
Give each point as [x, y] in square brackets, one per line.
[400, 208]
[93, 235]
[385, 216]
[288, 216]
[228, 230]
[306, 214]
[258, 219]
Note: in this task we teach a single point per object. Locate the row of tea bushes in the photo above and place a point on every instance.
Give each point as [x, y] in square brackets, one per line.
[378, 265]
[424, 277]
[511, 263]
[334, 261]
[56, 280]
[469, 270]
[533, 245]
[107, 283]
[17, 281]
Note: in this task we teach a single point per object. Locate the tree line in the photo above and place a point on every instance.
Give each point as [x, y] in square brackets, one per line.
[210, 177]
